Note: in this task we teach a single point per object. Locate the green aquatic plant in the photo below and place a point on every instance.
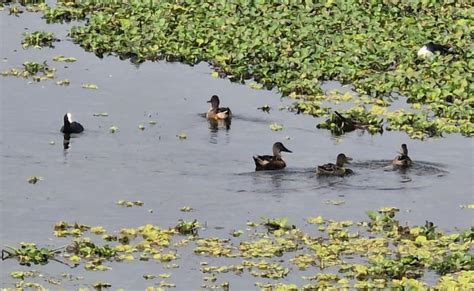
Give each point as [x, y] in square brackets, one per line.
[90, 86]
[187, 227]
[37, 71]
[38, 39]
[29, 253]
[298, 46]
[62, 58]
[381, 252]
[277, 223]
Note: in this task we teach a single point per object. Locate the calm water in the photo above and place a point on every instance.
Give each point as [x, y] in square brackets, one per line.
[212, 171]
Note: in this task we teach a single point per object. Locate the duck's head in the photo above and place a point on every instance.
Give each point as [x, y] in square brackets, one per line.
[214, 101]
[278, 147]
[404, 150]
[67, 118]
[342, 159]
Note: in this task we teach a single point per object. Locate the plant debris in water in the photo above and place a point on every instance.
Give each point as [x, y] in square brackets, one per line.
[130, 203]
[90, 86]
[276, 127]
[38, 39]
[62, 58]
[38, 72]
[390, 254]
[34, 179]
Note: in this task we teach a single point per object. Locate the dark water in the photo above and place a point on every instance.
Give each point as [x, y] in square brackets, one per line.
[212, 170]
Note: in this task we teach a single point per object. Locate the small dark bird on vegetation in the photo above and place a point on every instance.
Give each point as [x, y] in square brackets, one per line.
[429, 49]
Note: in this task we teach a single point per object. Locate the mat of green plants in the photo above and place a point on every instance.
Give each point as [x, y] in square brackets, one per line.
[154, 197]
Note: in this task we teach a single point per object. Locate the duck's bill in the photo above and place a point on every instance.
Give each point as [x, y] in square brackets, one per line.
[286, 150]
[208, 101]
[348, 159]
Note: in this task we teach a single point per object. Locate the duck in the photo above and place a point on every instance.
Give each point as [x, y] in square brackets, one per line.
[70, 126]
[335, 169]
[274, 162]
[402, 160]
[429, 49]
[216, 112]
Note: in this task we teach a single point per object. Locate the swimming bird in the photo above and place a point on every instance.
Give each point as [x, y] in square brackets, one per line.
[215, 112]
[335, 169]
[70, 126]
[429, 49]
[402, 160]
[274, 162]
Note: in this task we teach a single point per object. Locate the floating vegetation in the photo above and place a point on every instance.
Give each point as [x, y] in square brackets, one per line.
[64, 82]
[335, 202]
[28, 254]
[113, 129]
[297, 47]
[15, 10]
[182, 135]
[126, 203]
[62, 58]
[90, 86]
[276, 224]
[100, 114]
[66, 11]
[34, 179]
[390, 254]
[468, 206]
[276, 127]
[187, 227]
[38, 39]
[38, 72]
[186, 209]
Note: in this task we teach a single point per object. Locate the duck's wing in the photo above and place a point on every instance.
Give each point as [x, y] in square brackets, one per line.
[262, 161]
[224, 112]
[441, 48]
[326, 169]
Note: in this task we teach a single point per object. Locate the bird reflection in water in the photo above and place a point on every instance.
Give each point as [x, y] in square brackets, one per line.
[66, 141]
[216, 124]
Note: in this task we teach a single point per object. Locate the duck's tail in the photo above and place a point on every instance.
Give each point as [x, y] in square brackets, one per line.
[258, 163]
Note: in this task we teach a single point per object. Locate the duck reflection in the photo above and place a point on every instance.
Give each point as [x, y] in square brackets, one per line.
[216, 124]
[66, 141]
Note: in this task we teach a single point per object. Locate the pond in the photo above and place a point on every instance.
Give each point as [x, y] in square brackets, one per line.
[211, 170]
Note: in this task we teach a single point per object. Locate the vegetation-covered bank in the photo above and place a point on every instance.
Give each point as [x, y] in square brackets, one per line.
[297, 45]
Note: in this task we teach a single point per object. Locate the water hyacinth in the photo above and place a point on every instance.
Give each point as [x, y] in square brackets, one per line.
[390, 253]
[296, 47]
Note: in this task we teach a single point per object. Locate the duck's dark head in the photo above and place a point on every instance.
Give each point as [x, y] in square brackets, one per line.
[214, 101]
[67, 118]
[404, 150]
[342, 159]
[279, 147]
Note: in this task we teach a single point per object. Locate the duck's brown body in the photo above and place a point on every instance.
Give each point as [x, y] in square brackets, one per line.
[337, 169]
[275, 162]
[402, 160]
[216, 112]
